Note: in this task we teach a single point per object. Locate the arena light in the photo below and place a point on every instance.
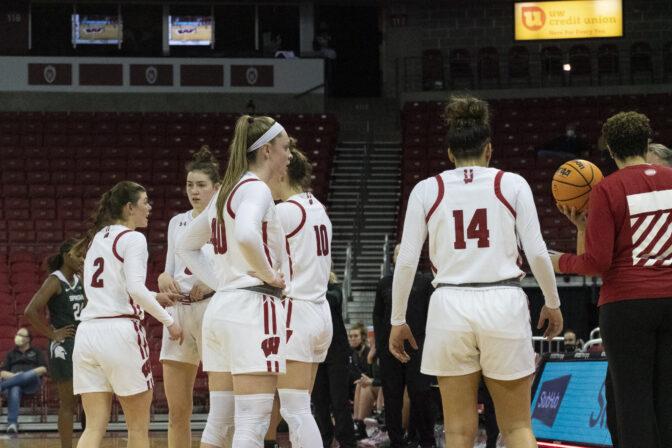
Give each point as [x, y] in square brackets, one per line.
[567, 67]
[576, 19]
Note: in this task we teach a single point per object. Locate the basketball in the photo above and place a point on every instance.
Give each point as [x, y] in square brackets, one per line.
[573, 182]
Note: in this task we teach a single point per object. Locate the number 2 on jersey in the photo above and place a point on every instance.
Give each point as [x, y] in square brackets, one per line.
[96, 281]
[477, 229]
[322, 239]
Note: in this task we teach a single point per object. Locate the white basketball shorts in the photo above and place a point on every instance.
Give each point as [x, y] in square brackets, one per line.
[309, 330]
[472, 329]
[190, 318]
[111, 355]
[244, 332]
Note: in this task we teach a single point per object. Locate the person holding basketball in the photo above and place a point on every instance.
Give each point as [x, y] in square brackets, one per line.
[180, 361]
[63, 294]
[111, 354]
[248, 273]
[478, 321]
[627, 240]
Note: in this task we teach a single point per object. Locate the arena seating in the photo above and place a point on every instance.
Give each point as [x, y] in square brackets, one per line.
[520, 127]
[55, 166]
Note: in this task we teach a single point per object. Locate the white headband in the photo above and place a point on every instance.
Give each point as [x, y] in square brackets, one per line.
[269, 135]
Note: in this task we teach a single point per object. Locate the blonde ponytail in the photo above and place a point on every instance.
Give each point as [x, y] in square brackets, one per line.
[248, 129]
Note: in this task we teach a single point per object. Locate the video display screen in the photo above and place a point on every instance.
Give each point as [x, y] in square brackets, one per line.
[569, 403]
[96, 29]
[190, 30]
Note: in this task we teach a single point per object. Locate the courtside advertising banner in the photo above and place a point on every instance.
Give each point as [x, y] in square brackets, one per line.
[578, 19]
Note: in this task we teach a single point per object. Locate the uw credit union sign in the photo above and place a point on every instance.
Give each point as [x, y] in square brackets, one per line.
[577, 19]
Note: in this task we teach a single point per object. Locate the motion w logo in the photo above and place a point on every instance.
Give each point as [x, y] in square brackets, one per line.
[651, 223]
[534, 18]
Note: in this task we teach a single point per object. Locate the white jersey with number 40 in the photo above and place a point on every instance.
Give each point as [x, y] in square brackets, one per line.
[308, 232]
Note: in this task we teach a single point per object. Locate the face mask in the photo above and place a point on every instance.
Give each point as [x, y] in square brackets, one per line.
[570, 347]
[19, 340]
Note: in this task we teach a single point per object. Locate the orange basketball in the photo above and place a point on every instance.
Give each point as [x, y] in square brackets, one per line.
[573, 181]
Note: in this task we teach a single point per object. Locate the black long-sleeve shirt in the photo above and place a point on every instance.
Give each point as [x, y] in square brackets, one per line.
[339, 350]
[416, 314]
[17, 361]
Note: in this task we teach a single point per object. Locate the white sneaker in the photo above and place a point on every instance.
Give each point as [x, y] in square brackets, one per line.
[12, 428]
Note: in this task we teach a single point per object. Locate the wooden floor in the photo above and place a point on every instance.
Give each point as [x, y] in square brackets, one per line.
[50, 440]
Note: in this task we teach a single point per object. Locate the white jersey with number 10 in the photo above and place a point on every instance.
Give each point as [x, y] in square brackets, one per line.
[308, 242]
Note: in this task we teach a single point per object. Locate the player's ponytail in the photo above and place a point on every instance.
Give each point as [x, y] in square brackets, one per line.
[468, 122]
[300, 170]
[55, 262]
[205, 162]
[110, 209]
[248, 130]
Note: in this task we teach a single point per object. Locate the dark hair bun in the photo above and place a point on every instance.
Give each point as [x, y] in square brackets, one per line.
[204, 155]
[466, 111]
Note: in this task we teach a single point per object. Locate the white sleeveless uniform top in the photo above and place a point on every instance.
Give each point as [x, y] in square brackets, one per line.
[249, 217]
[476, 218]
[115, 270]
[175, 266]
[308, 240]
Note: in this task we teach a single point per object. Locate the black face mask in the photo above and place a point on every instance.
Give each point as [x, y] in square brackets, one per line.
[570, 347]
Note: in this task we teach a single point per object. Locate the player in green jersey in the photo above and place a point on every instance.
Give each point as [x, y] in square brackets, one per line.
[62, 294]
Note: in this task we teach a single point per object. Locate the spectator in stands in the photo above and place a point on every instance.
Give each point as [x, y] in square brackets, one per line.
[367, 393]
[20, 374]
[395, 375]
[570, 341]
[359, 353]
[331, 389]
[62, 293]
[659, 154]
[625, 240]
[359, 366]
[567, 146]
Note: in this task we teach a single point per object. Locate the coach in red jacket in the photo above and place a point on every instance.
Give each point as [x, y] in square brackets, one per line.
[628, 242]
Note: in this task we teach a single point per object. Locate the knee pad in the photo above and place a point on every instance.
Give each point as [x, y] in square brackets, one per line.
[219, 427]
[253, 415]
[295, 409]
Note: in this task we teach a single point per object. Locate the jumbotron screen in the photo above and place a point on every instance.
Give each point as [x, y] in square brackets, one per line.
[569, 403]
[190, 30]
[96, 29]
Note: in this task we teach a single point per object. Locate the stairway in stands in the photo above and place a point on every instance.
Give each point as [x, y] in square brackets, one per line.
[363, 198]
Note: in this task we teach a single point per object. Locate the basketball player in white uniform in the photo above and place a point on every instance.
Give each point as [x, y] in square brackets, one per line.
[244, 325]
[479, 321]
[180, 361]
[111, 355]
[309, 329]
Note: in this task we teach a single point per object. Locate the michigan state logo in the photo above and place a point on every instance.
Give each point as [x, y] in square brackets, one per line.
[58, 351]
[534, 18]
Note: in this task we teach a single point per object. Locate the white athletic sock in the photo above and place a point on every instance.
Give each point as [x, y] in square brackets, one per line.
[253, 415]
[295, 409]
[219, 427]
